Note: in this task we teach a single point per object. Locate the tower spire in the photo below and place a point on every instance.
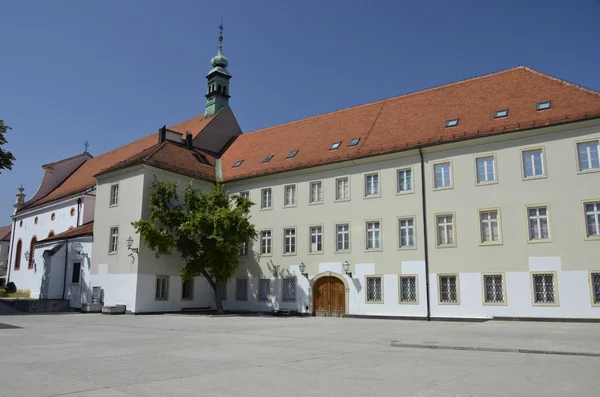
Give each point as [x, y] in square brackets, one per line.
[221, 36]
[217, 95]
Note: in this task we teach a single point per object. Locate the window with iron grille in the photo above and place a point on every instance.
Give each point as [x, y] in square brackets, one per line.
[265, 242]
[289, 289]
[448, 286]
[408, 289]
[404, 180]
[264, 289]
[544, 289]
[266, 198]
[595, 279]
[316, 239]
[343, 237]
[162, 288]
[342, 188]
[187, 289]
[538, 223]
[289, 195]
[592, 219]
[493, 288]
[316, 192]
[289, 241]
[241, 289]
[372, 185]
[374, 289]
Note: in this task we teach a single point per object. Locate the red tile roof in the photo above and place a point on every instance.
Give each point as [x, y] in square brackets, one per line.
[413, 120]
[83, 230]
[5, 232]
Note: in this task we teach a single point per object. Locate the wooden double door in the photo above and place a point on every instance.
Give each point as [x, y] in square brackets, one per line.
[329, 297]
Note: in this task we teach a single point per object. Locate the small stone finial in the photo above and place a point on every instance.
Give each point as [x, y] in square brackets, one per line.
[20, 202]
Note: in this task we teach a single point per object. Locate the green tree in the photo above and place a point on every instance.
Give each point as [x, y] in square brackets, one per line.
[6, 157]
[206, 229]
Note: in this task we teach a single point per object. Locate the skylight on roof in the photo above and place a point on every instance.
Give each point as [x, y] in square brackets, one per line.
[452, 123]
[543, 105]
[237, 163]
[292, 153]
[268, 158]
[335, 145]
[354, 142]
[501, 113]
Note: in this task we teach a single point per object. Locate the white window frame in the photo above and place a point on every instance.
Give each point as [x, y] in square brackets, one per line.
[438, 243]
[374, 301]
[294, 282]
[450, 175]
[554, 286]
[412, 181]
[315, 200]
[245, 194]
[291, 237]
[544, 173]
[264, 239]
[266, 197]
[480, 222]
[113, 240]
[400, 228]
[503, 290]
[549, 221]
[439, 288]
[335, 187]
[114, 195]
[269, 292]
[593, 294]
[589, 169]
[160, 297]
[316, 235]
[596, 221]
[290, 201]
[349, 232]
[243, 249]
[191, 297]
[374, 230]
[494, 166]
[237, 288]
[366, 185]
[408, 276]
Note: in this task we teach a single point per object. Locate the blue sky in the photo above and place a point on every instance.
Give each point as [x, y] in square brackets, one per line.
[113, 71]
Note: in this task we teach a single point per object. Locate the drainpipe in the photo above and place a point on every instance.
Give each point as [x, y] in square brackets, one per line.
[425, 242]
[78, 209]
[65, 272]
[10, 251]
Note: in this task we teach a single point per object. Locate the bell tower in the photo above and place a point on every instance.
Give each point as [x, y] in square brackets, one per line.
[217, 94]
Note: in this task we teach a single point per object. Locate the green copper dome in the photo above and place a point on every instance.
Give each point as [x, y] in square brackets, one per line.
[219, 60]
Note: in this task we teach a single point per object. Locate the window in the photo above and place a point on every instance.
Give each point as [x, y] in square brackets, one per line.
[342, 188]
[187, 289]
[53, 216]
[237, 163]
[265, 242]
[404, 180]
[448, 288]
[316, 192]
[114, 194]
[289, 195]
[76, 273]
[372, 185]
[452, 123]
[443, 175]
[592, 219]
[72, 212]
[266, 197]
[335, 145]
[406, 232]
[114, 240]
[51, 233]
[486, 169]
[374, 289]
[316, 239]
[245, 194]
[289, 289]
[354, 142]
[587, 153]
[545, 291]
[539, 228]
[445, 230]
[342, 233]
[489, 226]
[31, 253]
[373, 235]
[264, 289]
[292, 154]
[543, 105]
[241, 289]
[408, 289]
[35, 221]
[493, 289]
[289, 241]
[501, 113]
[268, 158]
[533, 163]
[162, 288]
[595, 288]
[244, 249]
[18, 255]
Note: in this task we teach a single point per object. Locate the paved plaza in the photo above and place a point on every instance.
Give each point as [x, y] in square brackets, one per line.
[92, 355]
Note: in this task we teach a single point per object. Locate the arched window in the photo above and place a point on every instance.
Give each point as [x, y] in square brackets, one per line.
[224, 89]
[51, 233]
[218, 87]
[30, 262]
[18, 255]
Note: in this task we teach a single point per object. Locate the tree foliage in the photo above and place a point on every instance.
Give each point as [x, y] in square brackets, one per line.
[206, 229]
[6, 157]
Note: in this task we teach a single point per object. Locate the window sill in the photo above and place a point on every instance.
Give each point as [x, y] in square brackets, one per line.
[266, 209]
[316, 253]
[113, 205]
[290, 206]
[342, 252]
[405, 192]
[588, 171]
[113, 253]
[372, 196]
[592, 238]
[546, 304]
[316, 203]
[449, 303]
[437, 189]
[491, 244]
[373, 249]
[488, 183]
[494, 304]
[374, 302]
[342, 200]
[265, 255]
[409, 303]
[445, 246]
[540, 241]
[407, 248]
[289, 254]
[534, 177]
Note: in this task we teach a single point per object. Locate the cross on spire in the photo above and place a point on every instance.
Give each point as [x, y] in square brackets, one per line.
[86, 144]
[221, 32]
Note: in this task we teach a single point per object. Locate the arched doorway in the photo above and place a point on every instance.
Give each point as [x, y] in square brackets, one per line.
[329, 296]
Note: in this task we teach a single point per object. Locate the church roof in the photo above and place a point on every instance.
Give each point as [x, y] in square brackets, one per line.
[5, 232]
[411, 121]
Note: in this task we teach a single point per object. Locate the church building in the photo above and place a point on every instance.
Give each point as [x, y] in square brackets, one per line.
[476, 199]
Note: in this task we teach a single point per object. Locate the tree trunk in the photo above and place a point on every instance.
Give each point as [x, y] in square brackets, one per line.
[216, 286]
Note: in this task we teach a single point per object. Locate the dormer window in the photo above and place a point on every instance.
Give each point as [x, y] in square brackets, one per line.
[292, 153]
[501, 113]
[268, 158]
[335, 145]
[354, 142]
[543, 105]
[452, 123]
[238, 163]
